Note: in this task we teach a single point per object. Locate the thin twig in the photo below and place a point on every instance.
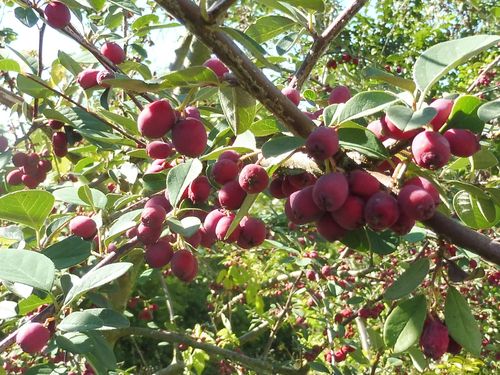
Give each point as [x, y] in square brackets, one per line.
[488, 68]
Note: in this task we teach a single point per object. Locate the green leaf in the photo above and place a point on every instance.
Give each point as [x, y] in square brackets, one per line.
[488, 111]
[409, 280]
[67, 61]
[9, 65]
[186, 227]
[464, 114]
[405, 84]
[32, 88]
[265, 127]
[242, 212]
[269, 27]
[475, 212]
[483, 159]
[358, 138]
[404, 324]
[101, 355]
[179, 178]
[317, 5]
[405, 119]
[213, 155]
[28, 207]
[29, 304]
[70, 195]
[69, 252]
[364, 239]
[461, 323]
[153, 183]
[443, 57]
[418, 359]
[281, 145]
[27, 267]
[8, 309]
[95, 278]
[364, 104]
[239, 108]
[26, 16]
[92, 197]
[93, 319]
[190, 77]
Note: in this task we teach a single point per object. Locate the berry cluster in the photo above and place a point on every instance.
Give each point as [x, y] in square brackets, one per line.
[31, 170]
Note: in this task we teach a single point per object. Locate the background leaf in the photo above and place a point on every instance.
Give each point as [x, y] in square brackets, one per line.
[28, 207]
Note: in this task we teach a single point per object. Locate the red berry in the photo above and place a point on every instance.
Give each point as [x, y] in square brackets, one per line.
[222, 228]
[148, 235]
[113, 52]
[102, 76]
[322, 143]
[83, 226]
[339, 94]
[14, 177]
[231, 195]
[430, 150]
[443, 107]
[426, 185]
[381, 211]
[329, 229]
[395, 133]
[57, 14]
[275, 188]
[19, 159]
[224, 170]
[350, 215]
[153, 216]
[379, 128]
[434, 339]
[231, 155]
[159, 254]
[60, 144]
[253, 232]
[363, 183]
[416, 203]
[32, 337]
[159, 200]
[302, 208]
[462, 142]
[88, 78]
[253, 179]
[189, 137]
[330, 191]
[216, 66]
[292, 94]
[199, 190]
[211, 220]
[192, 111]
[156, 119]
[184, 265]
[403, 225]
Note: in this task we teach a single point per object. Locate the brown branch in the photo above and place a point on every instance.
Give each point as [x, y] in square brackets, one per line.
[321, 44]
[249, 75]
[465, 237]
[219, 9]
[260, 366]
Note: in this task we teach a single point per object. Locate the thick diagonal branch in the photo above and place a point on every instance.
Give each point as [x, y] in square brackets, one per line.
[249, 76]
[321, 44]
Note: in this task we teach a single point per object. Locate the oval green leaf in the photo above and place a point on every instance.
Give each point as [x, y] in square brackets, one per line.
[409, 280]
[179, 178]
[69, 252]
[93, 319]
[364, 104]
[28, 207]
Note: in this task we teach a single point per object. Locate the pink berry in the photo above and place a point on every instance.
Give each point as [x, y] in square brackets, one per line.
[216, 66]
[83, 226]
[339, 94]
[32, 337]
[322, 143]
[462, 142]
[156, 119]
[292, 94]
[430, 150]
[57, 15]
[253, 179]
[113, 52]
[189, 137]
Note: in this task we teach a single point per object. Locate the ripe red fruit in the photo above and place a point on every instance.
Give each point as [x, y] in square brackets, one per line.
[159, 200]
[322, 143]
[346, 57]
[57, 14]
[207, 239]
[216, 66]
[131, 233]
[159, 254]
[253, 179]
[462, 142]
[339, 356]
[189, 137]
[339, 94]
[330, 191]
[44, 166]
[195, 239]
[231, 155]
[184, 265]
[210, 222]
[199, 190]
[292, 94]
[88, 78]
[443, 106]
[224, 170]
[395, 133]
[19, 159]
[4, 143]
[60, 144]
[156, 119]
[301, 180]
[288, 188]
[145, 314]
[302, 207]
[426, 185]
[331, 64]
[430, 150]
[223, 226]
[350, 214]
[275, 188]
[30, 181]
[329, 229]
[453, 346]
[104, 75]
[148, 235]
[253, 232]
[32, 337]
[113, 52]
[14, 177]
[363, 183]
[83, 226]
[153, 216]
[231, 195]
[403, 225]
[379, 128]
[434, 339]
[381, 211]
[416, 203]
[192, 111]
